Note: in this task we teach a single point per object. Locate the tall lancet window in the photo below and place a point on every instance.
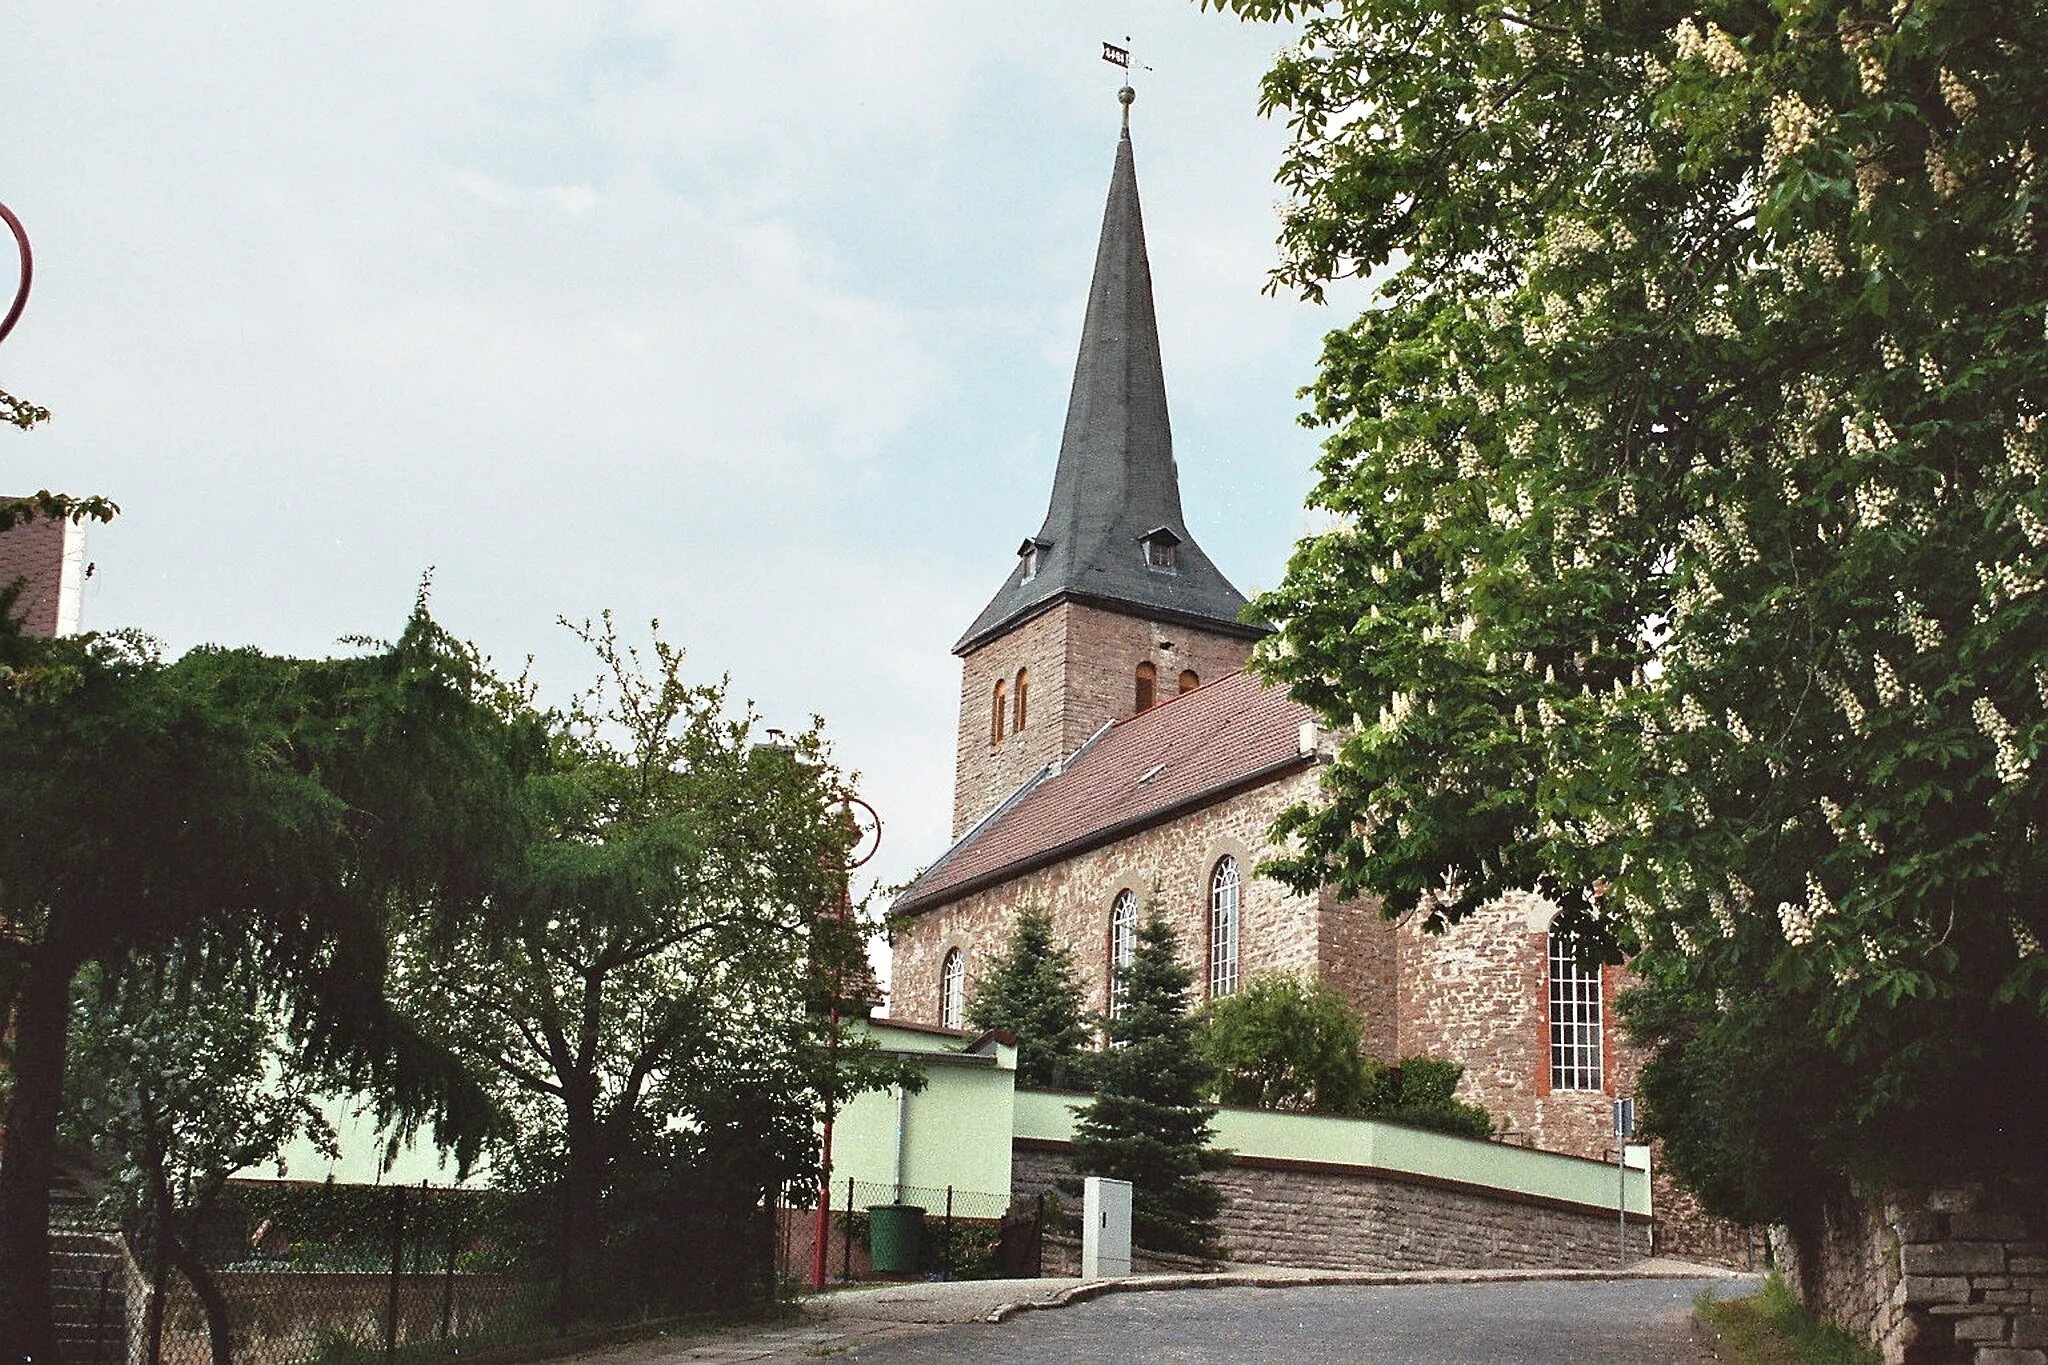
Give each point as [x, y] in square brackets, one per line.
[953, 991]
[1148, 686]
[999, 712]
[1225, 892]
[1023, 692]
[1123, 944]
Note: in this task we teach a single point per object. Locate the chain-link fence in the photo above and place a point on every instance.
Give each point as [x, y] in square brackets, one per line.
[881, 1230]
[331, 1275]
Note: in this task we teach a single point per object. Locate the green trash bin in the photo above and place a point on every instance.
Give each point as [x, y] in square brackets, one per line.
[894, 1231]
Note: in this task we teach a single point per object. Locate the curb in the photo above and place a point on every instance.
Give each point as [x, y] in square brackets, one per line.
[1095, 1289]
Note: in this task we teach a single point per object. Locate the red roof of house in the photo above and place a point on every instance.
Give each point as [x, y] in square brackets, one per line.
[1192, 749]
[34, 550]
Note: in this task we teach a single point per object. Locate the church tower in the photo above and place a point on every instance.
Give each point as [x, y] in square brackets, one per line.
[1111, 607]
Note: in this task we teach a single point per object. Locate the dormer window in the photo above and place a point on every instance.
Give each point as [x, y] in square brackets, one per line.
[1032, 552]
[1158, 544]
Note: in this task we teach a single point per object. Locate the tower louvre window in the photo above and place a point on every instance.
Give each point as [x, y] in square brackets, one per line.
[1023, 692]
[1148, 686]
[1574, 1020]
[1188, 681]
[998, 712]
[1157, 545]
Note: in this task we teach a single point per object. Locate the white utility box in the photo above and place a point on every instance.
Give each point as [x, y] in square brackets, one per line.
[1105, 1228]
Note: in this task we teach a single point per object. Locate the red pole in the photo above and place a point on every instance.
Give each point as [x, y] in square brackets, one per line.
[832, 1058]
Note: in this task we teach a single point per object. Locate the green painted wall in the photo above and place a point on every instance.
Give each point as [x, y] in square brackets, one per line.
[956, 1130]
[1363, 1142]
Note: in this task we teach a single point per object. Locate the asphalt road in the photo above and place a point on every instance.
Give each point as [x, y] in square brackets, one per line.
[1600, 1322]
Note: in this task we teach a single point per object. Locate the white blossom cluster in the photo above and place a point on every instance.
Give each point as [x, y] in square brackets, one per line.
[1916, 625]
[1845, 700]
[1711, 44]
[1856, 41]
[2004, 583]
[1797, 920]
[2031, 524]
[1871, 173]
[1873, 502]
[1957, 94]
[1930, 373]
[1793, 125]
[2011, 765]
[1868, 435]
[2025, 939]
[1941, 170]
[1724, 917]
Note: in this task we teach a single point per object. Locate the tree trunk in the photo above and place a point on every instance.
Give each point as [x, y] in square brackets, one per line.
[215, 1303]
[28, 1157]
[582, 1200]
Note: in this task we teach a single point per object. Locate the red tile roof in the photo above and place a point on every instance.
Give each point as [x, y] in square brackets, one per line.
[1195, 748]
[35, 551]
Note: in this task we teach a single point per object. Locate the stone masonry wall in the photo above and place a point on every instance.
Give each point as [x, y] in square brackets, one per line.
[985, 773]
[1277, 929]
[1928, 1279]
[1479, 994]
[1328, 1219]
[1083, 664]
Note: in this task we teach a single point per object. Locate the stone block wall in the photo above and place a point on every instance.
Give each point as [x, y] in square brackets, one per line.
[1950, 1276]
[1339, 1218]
[1082, 663]
[1277, 929]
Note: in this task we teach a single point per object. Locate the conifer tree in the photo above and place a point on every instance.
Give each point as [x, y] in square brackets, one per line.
[1035, 993]
[1149, 1123]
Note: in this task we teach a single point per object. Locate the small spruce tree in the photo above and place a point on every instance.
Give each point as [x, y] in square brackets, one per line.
[1149, 1123]
[1034, 992]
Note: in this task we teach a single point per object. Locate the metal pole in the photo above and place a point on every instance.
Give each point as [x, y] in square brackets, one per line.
[397, 1269]
[1621, 1194]
[846, 1238]
[949, 1232]
[832, 1052]
[448, 1279]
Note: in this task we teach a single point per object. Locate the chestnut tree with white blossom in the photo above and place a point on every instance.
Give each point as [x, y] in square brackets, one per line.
[1688, 490]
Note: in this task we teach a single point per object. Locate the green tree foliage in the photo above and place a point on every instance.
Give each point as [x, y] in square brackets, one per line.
[662, 949]
[1285, 1043]
[1034, 992]
[1289, 1044]
[289, 806]
[1149, 1121]
[179, 1077]
[1690, 528]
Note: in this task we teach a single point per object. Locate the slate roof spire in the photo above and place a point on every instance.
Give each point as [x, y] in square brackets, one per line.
[1114, 534]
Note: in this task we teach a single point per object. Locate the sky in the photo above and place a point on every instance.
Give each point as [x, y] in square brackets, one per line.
[756, 320]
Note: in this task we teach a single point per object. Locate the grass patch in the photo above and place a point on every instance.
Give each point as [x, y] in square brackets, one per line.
[1772, 1328]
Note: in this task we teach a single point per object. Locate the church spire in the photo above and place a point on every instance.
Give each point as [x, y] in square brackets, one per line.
[1114, 534]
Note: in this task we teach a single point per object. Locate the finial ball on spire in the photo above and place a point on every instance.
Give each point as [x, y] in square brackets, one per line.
[1126, 96]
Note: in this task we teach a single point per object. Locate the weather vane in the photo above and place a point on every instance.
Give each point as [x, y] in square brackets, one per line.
[1121, 57]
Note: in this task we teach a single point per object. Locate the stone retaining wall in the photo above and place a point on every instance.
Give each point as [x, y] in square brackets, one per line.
[1948, 1276]
[1348, 1219]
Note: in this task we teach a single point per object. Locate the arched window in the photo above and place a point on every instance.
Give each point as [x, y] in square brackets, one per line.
[1188, 681]
[998, 713]
[953, 991]
[1148, 686]
[1574, 1020]
[1123, 943]
[1023, 691]
[1225, 892]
